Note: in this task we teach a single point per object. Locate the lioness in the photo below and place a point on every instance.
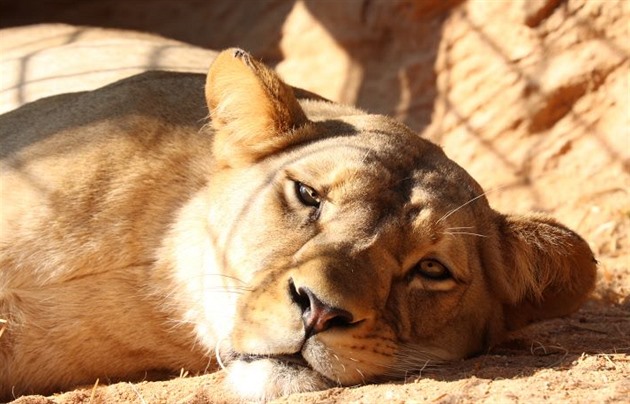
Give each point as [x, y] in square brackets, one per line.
[305, 244]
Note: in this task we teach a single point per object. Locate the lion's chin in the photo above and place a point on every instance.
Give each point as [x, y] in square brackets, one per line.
[260, 378]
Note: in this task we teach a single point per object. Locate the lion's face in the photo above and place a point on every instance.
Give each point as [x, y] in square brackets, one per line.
[361, 251]
[350, 256]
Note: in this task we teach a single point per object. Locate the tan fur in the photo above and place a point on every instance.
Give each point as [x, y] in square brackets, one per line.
[38, 61]
[135, 237]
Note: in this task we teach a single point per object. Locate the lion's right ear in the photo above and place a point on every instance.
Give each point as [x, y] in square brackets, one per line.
[253, 112]
[547, 270]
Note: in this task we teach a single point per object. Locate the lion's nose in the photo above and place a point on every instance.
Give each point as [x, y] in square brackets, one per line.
[317, 316]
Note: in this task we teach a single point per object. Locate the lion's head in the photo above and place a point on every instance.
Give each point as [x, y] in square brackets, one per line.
[359, 251]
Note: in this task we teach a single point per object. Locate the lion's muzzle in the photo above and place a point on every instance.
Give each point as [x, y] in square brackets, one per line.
[318, 316]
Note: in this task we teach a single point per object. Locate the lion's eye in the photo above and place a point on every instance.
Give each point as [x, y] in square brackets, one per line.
[307, 195]
[432, 269]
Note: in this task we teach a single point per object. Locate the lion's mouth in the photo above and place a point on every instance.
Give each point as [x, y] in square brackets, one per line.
[295, 359]
[261, 376]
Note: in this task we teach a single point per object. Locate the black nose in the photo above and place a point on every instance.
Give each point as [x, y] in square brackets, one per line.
[316, 315]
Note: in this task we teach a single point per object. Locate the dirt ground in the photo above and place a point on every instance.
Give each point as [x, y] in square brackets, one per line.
[583, 358]
[531, 97]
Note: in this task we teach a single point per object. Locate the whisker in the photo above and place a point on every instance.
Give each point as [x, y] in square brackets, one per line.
[340, 362]
[234, 278]
[361, 373]
[454, 233]
[222, 276]
[450, 212]
[217, 353]
[365, 156]
[412, 358]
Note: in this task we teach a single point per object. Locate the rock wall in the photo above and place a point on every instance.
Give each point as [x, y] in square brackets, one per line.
[533, 100]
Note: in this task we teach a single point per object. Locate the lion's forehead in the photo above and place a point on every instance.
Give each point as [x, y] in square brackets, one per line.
[390, 185]
[391, 168]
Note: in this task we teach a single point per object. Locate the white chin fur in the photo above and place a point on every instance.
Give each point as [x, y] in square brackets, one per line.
[266, 379]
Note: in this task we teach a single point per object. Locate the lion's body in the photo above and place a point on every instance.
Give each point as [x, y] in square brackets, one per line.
[88, 218]
[309, 243]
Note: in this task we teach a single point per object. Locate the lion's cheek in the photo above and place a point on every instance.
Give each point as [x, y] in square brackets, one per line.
[350, 358]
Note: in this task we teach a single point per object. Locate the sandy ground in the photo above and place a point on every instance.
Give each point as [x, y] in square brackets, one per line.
[583, 358]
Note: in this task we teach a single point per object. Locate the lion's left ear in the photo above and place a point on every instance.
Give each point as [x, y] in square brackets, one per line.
[548, 270]
[253, 112]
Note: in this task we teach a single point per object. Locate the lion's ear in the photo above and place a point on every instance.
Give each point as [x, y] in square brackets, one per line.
[253, 112]
[548, 270]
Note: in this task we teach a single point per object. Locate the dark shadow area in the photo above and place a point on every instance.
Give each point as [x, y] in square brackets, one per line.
[176, 108]
[598, 329]
[392, 43]
[198, 22]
